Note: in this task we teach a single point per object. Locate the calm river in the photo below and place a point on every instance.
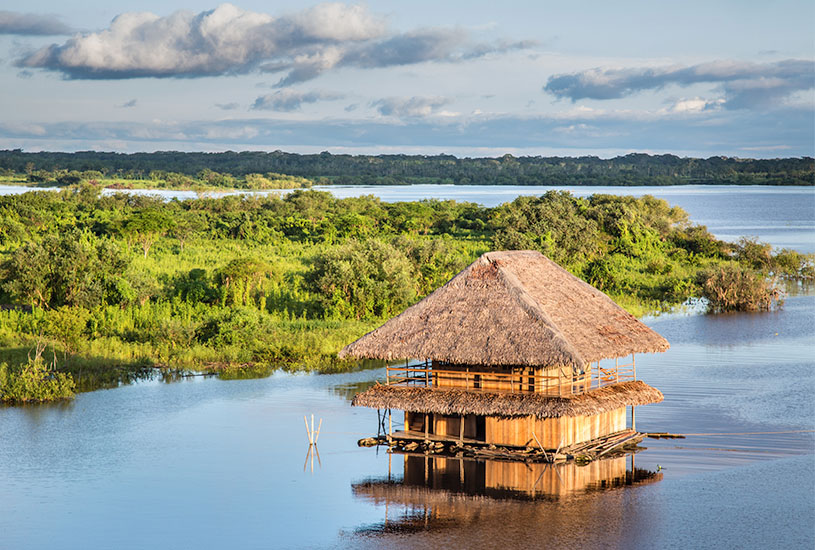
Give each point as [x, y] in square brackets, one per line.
[209, 463]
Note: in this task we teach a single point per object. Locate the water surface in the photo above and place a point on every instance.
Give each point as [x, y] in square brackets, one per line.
[209, 463]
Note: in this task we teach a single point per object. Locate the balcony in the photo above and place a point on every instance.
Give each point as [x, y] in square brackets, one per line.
[549, 381]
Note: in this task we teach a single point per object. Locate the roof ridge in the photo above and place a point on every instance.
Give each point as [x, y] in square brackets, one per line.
[534, 309]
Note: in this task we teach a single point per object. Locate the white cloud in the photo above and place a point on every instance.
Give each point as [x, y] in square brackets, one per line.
[291, 100]
[228, 40]
[412, 107]
[695, 105]
[745, 85]
[31, 24]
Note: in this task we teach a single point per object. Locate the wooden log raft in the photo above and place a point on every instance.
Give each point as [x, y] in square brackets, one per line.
[619, 442]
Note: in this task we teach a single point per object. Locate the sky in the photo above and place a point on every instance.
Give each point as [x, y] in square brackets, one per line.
[692, 78]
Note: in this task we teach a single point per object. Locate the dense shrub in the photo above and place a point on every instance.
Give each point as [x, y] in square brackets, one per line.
[362, 279]
[72, 269]
[34, 382]
[731, 287]
[554, 223]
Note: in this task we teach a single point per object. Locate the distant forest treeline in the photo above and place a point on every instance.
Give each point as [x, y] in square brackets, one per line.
[325, 168]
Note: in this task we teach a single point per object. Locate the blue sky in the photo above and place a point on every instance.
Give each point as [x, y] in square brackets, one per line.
[467, 78]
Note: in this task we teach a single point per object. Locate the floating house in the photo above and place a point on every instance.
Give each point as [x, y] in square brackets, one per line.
[515, 352]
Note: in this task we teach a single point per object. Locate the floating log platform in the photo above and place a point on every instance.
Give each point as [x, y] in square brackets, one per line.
[410, 443]
[664, 435]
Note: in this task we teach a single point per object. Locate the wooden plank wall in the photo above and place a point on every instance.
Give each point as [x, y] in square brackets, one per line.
[522, 378]
[553, 432]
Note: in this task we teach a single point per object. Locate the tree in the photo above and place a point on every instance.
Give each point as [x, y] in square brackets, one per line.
[239, 278]
[362, 279]
[188, 224]
[147, 225]
[73, 269]
[554, 224]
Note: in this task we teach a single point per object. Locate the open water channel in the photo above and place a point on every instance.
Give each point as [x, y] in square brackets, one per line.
[209, 463]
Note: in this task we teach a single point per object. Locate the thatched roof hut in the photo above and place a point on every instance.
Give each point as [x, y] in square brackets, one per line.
[511, 308]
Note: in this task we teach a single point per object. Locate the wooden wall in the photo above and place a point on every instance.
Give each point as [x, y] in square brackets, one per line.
[551, 432]
[512, 379]
[446, 425]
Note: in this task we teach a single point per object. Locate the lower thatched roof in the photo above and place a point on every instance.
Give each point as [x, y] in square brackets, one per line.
[451, 401]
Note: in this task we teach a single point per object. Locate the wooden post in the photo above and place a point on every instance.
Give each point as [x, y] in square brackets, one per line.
[426, 425]
[461, 430]
[633, 419]
[390, 426]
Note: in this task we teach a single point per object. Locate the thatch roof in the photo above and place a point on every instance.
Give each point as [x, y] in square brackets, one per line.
[453, 401]
[511, 308]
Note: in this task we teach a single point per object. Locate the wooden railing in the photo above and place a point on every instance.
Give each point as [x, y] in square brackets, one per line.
[565, 382]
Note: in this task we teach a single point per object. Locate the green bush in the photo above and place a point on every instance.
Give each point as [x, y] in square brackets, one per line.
[731, 287]
[362, 279]
[72, 269]
[34, 382]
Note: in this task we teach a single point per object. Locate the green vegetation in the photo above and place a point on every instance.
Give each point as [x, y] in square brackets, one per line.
[172, 169]
[34, 381]
[117, 286]
[201, 182]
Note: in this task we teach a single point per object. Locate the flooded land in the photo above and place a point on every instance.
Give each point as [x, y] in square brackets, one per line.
[207, 462]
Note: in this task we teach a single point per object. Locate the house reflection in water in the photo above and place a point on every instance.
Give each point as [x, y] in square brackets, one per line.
[437, 492]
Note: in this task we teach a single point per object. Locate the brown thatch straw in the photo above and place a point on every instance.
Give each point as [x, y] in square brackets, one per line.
[459, 402]
[511, 308]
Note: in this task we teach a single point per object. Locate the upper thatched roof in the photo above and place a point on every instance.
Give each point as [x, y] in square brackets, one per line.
[511, 308]
[453, 401]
